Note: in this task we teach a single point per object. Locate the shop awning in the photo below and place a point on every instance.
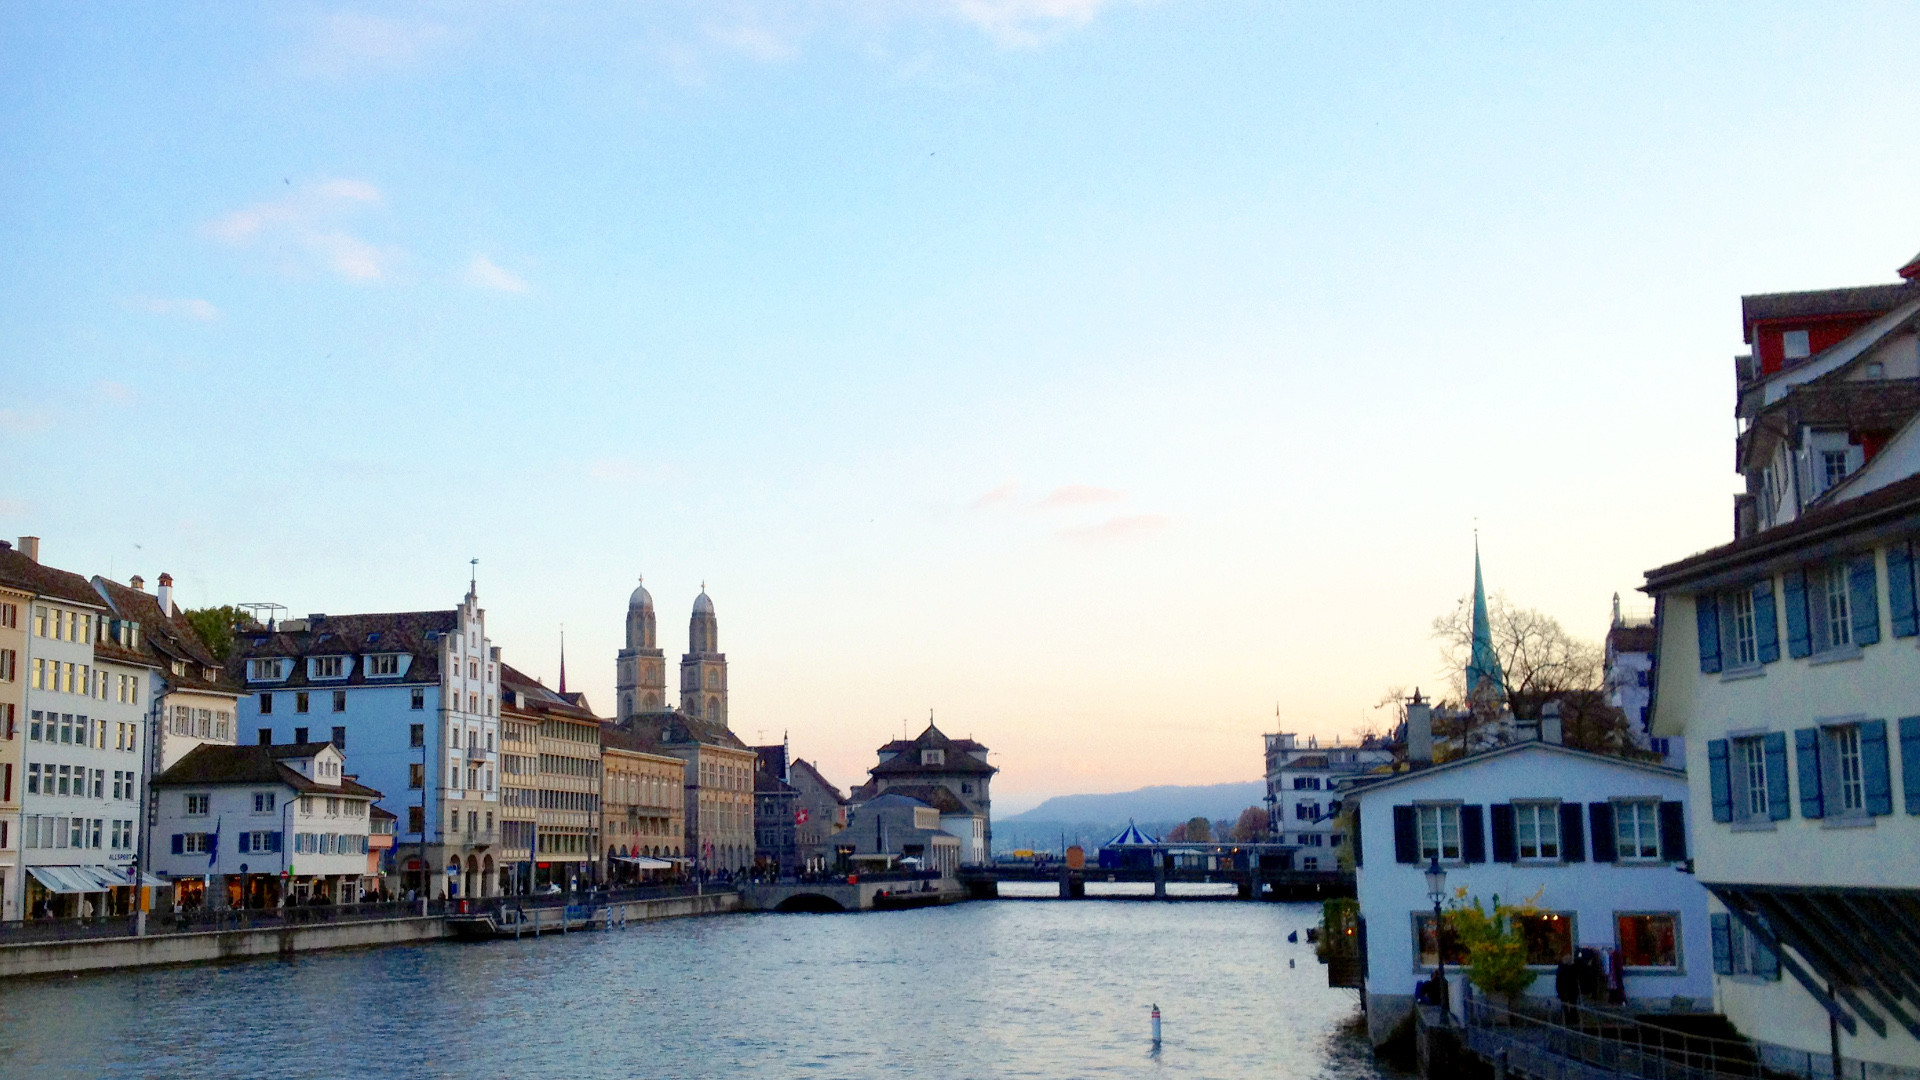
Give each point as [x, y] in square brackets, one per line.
[642, 862]
[76, 879]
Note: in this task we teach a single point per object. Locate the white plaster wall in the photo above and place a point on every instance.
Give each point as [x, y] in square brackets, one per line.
[1390, 892]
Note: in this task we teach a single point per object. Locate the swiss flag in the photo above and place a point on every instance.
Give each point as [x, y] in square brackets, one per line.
[800, 816]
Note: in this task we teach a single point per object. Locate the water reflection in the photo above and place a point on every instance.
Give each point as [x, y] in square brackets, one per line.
[1008, 989]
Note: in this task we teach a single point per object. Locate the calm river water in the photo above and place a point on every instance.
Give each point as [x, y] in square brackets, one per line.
[1013, 988]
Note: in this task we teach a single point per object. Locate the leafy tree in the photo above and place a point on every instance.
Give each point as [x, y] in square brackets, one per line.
[216, 626]
[1251, 828]
[1198, 831]
[1177, 834]
[1496, 951]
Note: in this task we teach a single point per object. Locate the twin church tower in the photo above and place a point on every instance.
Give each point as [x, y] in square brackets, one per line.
[642, 667]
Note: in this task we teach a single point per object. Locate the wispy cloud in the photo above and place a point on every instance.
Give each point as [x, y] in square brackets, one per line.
[342, 42]
[756, 40]
[1114, 530]
[1025, 23]
[1079, 495]
[1000, 496]
[484, 273]
[306, 222]
[199, 310]
[118, 393]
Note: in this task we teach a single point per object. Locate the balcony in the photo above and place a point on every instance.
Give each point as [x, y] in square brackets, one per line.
[478, 838]
[475, 753]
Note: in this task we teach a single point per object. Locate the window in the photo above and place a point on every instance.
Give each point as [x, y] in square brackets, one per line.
[339, 701]
[266, 704]
[1833, 467]
[416, 776]
[1456, 951]
[263, 802]
[1738, 629]
[383, 665]
[1794, 345]
[1439, 832]
[1743, 951]
[10, 616]
[1536, 831]
[1636, 830]
[198, 805]
[263, 669]
[1750, 779]
[1843, 744]
[419, 699]
[416, 819]
[193, 843]
[300, 701]
[1828, 607]
[1649, 940]
[328, 667]
[9, 665]
[33, 778]
[1548, 936]
[340, 737]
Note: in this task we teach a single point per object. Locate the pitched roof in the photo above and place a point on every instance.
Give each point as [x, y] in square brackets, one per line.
[671, 727]
[933, 795]
[1632, 639]
[1892, 505]
[417, 633]
[1822, 303]
[529, 694]
[902, 757]
[168, 637]
[818, 778]
[51, 582]
[209, 764]
[1368, 784]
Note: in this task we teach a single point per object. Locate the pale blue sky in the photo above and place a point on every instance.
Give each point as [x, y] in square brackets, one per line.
[1100, 375]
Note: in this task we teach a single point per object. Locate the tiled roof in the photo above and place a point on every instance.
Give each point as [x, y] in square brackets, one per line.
[416, 633]
[1635, 639]
[1857, 405]
[1817, 303]
[24, 573]
[905, 756]
[933, 795]
[210, 764]
[809, 769]
[672, 727]
[167, 638]
[530, 695]
[1890, 505]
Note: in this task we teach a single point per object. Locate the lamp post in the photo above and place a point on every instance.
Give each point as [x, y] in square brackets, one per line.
[1437, 892]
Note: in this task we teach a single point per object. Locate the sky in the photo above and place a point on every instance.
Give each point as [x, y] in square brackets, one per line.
[1111, 381]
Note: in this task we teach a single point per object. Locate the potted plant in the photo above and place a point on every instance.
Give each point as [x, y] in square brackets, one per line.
[1496, 953]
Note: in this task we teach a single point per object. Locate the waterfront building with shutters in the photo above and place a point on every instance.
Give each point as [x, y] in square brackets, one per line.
[1788, 660]
[1597, 843]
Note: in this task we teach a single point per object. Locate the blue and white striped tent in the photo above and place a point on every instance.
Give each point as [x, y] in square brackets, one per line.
[1128, 850]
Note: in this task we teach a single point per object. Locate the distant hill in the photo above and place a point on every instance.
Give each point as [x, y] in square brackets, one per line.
[1090, 820]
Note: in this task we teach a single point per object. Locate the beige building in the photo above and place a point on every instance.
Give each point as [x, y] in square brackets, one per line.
[519, 797]
[566, 753]
[14, 603]
[643, 808]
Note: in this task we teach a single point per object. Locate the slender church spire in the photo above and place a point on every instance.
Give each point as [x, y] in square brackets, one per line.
[1484, 679]
[563, 658]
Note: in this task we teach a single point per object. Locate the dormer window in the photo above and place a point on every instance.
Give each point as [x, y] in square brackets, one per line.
[1794, 345]
[383, 664]
[327, 667]
[179, 667]
[933, 757]
[263, 669]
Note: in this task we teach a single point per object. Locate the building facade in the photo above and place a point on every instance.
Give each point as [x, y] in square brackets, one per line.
[819, 813]
[1592, 840]
[642, 805]
[892, 829]
[193, 698]
[566, 759]
[1303, 800]
[931, 759]
[16, 607]
[1787, 659]
[415, 698]
[776, 806]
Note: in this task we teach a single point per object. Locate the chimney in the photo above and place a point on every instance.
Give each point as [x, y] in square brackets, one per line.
[1419, 731]
[30, 547]
[139, 583]
[164, 594]
[1550, 730]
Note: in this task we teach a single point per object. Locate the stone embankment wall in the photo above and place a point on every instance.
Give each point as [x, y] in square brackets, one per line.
[102, 954]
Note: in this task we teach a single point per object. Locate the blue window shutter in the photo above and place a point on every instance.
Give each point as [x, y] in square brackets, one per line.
[1863, 581]
[1875, 772]
[1720, 780]
[1722, 943]
[1706, 623]
[1794, 594]
[1769, 960]
[1500, 816]
[1473, 834]
[1766, 628]
[1910, 761]
[1573, 845]
[1406, 836]
[273, 841]
[1900, 598]
[242, 848]
[1602, 815]
[1673, 831]
[179, 843]
[1779, 798]
[1806, 751]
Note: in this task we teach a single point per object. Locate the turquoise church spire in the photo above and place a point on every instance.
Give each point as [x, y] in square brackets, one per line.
[1484, 679]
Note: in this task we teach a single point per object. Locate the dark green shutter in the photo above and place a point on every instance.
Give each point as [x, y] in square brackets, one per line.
[1601, 814]
[1863, 582]
[1500, 816]
[1573, 845]
[1406, 835]
[1910, 761]
[1706, 623]
[1900, 598]
[1875, 771]
[1806, 752]
[1473, 835]
[1673, 831]
[1720, 780]
[1722, 942]
[1766, 627]
[1779, 798]
[1794, 595]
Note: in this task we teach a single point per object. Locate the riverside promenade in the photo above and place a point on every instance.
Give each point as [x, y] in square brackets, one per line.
[67, 946]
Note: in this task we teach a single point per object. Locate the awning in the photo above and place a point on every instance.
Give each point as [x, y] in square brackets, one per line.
[76, 879]
[643, 863]
[1858, 941]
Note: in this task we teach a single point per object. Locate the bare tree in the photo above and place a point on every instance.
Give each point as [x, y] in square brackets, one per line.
[1538, 658]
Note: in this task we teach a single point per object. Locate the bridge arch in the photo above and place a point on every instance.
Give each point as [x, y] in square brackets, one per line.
[811, 903]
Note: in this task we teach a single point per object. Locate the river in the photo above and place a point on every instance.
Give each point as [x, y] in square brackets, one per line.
[1009, 988]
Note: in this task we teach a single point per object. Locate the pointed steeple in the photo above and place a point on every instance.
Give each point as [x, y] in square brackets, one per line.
[563, 658]
[1484, 679]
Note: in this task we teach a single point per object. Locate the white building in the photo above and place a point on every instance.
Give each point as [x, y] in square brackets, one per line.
[87, 694]
[1787, 658]
[1302, 796]
[192, 698]
[1595, 842]
[262, 825]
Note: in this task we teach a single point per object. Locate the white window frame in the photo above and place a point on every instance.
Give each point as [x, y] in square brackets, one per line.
[1741, 643]
[1830, 607]
[1749, 776]
[1437, 820]
[1845, 768]
[1545, 817]
[1645, 816]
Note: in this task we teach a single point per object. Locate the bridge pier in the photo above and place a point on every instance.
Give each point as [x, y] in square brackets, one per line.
[1160, 879]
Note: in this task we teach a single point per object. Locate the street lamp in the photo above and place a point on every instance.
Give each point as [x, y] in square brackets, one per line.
[1437, 892]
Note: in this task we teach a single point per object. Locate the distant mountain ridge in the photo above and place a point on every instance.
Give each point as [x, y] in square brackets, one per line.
[1090, 820]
